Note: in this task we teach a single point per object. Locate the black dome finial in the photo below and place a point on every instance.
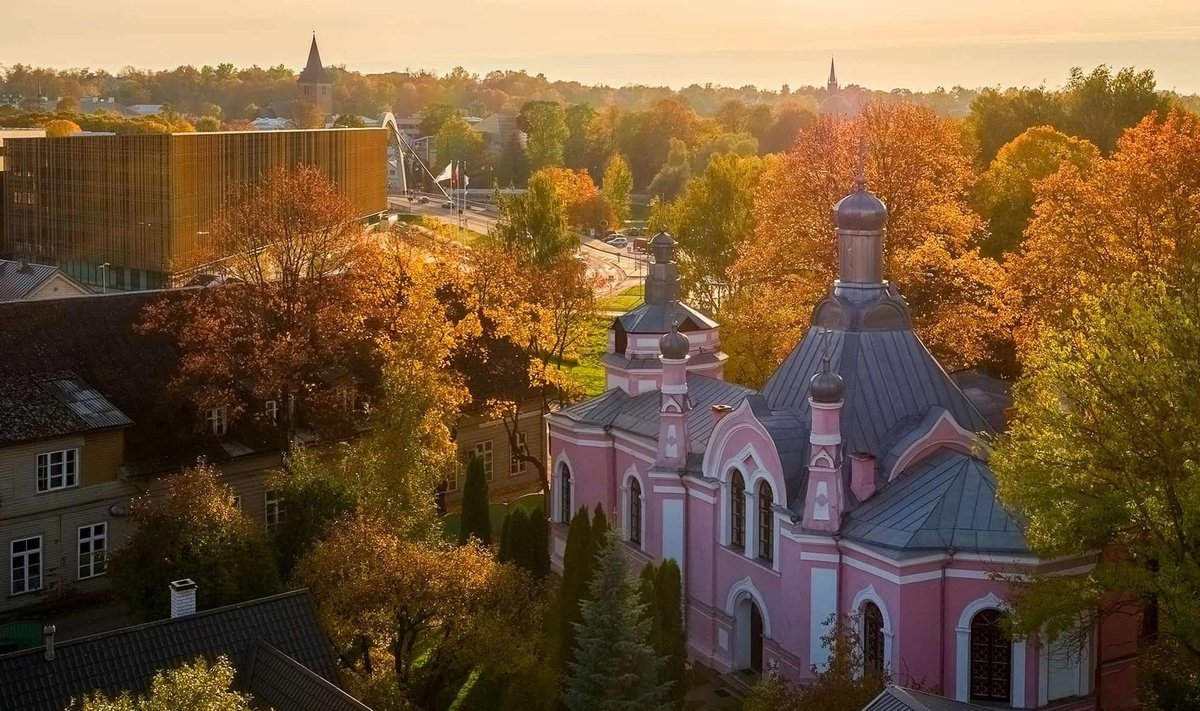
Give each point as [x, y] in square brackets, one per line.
[674, 345]
[826, 386]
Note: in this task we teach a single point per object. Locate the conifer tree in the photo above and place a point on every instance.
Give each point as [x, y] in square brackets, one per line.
[670, 642]
[512, 537]
[538, 542]
[576, 567]
[615, 668]
[476, 519]
[648, 592]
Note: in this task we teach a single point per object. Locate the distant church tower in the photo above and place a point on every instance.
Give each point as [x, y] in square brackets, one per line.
[315, 86]
[830, 85]
[836, 101]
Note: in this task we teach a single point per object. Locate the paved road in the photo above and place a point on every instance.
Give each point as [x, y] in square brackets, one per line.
[620, 268]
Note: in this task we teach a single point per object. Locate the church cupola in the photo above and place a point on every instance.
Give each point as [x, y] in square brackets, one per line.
[825, 500]
[861, 222]
[662, 282]
[673, 405]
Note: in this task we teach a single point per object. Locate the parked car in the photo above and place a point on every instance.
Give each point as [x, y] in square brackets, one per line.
[635, 230]
[423, 199]
[448, 205]
[619, 241]
[641, 244]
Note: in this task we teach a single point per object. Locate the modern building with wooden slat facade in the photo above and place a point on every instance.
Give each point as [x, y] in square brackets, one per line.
[142, 204]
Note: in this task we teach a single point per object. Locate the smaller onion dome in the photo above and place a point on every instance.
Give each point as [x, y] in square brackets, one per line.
[860, 211]
[663, 247]
[826, 386]
[674, 345]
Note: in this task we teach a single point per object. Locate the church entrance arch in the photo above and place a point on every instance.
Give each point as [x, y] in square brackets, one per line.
[748, 635]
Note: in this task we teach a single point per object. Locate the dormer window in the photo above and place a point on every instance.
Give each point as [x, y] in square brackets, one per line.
[216, 421]
[272, 409]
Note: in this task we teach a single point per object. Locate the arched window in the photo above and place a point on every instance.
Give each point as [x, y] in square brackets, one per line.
[872, 638]
[991, 658]
[737, 510]
[766, 522]
[635, 512]
[564, 493]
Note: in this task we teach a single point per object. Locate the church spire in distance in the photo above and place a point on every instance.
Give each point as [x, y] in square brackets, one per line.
[832, 84]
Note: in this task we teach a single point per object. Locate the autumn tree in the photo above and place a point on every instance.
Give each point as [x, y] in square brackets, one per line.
[456, 140]
[60, 128]
[419, 617]
[614, 668]
[1134, 212]
[617, 187]
[196, 686]
[1004, 195]
[545, 124]
[434, 116]
[306, 114]
[842, 684]
[916, 164]
[193, 531]
[710, 222]
[316, 497]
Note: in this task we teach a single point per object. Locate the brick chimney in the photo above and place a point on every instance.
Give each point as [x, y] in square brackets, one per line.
[48, 642]
[862, 475]
[183, 598]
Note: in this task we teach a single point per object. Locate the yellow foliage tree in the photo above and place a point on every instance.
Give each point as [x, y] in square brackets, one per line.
[916, 163]
[59, 128]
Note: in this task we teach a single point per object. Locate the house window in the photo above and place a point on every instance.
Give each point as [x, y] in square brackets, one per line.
[93, 550]
[872, 638]
[215, 420]
[737, 511]
[518, 466]
[564, 493]
[237, 502]
[57, 470]
[25, 562]
[483, 450]
[274, 509]
[272, 410]
[991, 658]
[766, 522]
[455, 475]
[347, 396]
[635, 512]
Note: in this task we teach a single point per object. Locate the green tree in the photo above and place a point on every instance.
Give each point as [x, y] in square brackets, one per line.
[208, 124]
[457, 141]
[617, 187]
[512, 165]
[534, 224]
[1101, 456]
[576, 570]
[545, 124]
[316, 496]
[349, 121]
[306, 114]
[615, 669]
[710, 221]
[434, 116]
[508, 537]
[997, 117]
[539, 544]
[198, 686]
[476, 519]
[671, 641]
[1004, 194]
[675, 172]
[196, 532]
[1100, 105]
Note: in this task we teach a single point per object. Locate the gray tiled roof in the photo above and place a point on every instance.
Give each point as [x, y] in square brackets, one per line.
[127, 658]
[639, 414]
[891, 380]
[280, 682]
[657, 318]
[946, 502]
[897, 698]
[52, 405]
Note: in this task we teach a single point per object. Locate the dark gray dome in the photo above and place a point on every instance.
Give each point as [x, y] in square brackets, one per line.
[674, 345]
[826, 386]
[860, 211]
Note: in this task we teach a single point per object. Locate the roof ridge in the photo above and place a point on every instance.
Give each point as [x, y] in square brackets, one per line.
[129, 629]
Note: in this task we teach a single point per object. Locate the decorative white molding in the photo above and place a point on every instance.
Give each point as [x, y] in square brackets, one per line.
[868, 594]
[631, 474]
[745, 588]
[820, 557]
[962, 652]
[703, 497]
[635, 453]
[670, 490]
[555, 484]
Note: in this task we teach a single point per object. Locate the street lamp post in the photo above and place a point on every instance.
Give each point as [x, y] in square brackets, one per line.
[103, 277]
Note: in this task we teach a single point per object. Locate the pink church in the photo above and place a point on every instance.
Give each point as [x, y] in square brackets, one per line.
[855, 481]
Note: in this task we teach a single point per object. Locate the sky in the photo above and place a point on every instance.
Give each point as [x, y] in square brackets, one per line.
[879, 44]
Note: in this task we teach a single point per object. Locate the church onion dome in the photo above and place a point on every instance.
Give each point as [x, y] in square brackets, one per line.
[860, 211]
[674, 345]
[826, 386]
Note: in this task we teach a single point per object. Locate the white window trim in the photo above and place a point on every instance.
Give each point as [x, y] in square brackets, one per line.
[561, 516]
[75, 461]
[516, 466]
[864, 596]
[217, 420]
[271, 407]
[752, 523]
[272, 497]
[12, 556]
[485, 451]
[962, 655]
[91, 539]
[631, 474]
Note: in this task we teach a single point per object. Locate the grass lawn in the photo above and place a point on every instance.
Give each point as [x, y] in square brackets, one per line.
[587, 369]
[451, 523]
[625, 300]
[454, 233]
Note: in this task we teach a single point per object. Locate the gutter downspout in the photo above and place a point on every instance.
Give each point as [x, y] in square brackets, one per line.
[612, 476]
[942, 625]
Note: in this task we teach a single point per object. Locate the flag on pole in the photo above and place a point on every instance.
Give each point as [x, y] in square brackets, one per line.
[446, 174]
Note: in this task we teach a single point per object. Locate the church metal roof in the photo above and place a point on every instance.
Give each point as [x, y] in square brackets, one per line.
[946, 502]
[314, 72]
